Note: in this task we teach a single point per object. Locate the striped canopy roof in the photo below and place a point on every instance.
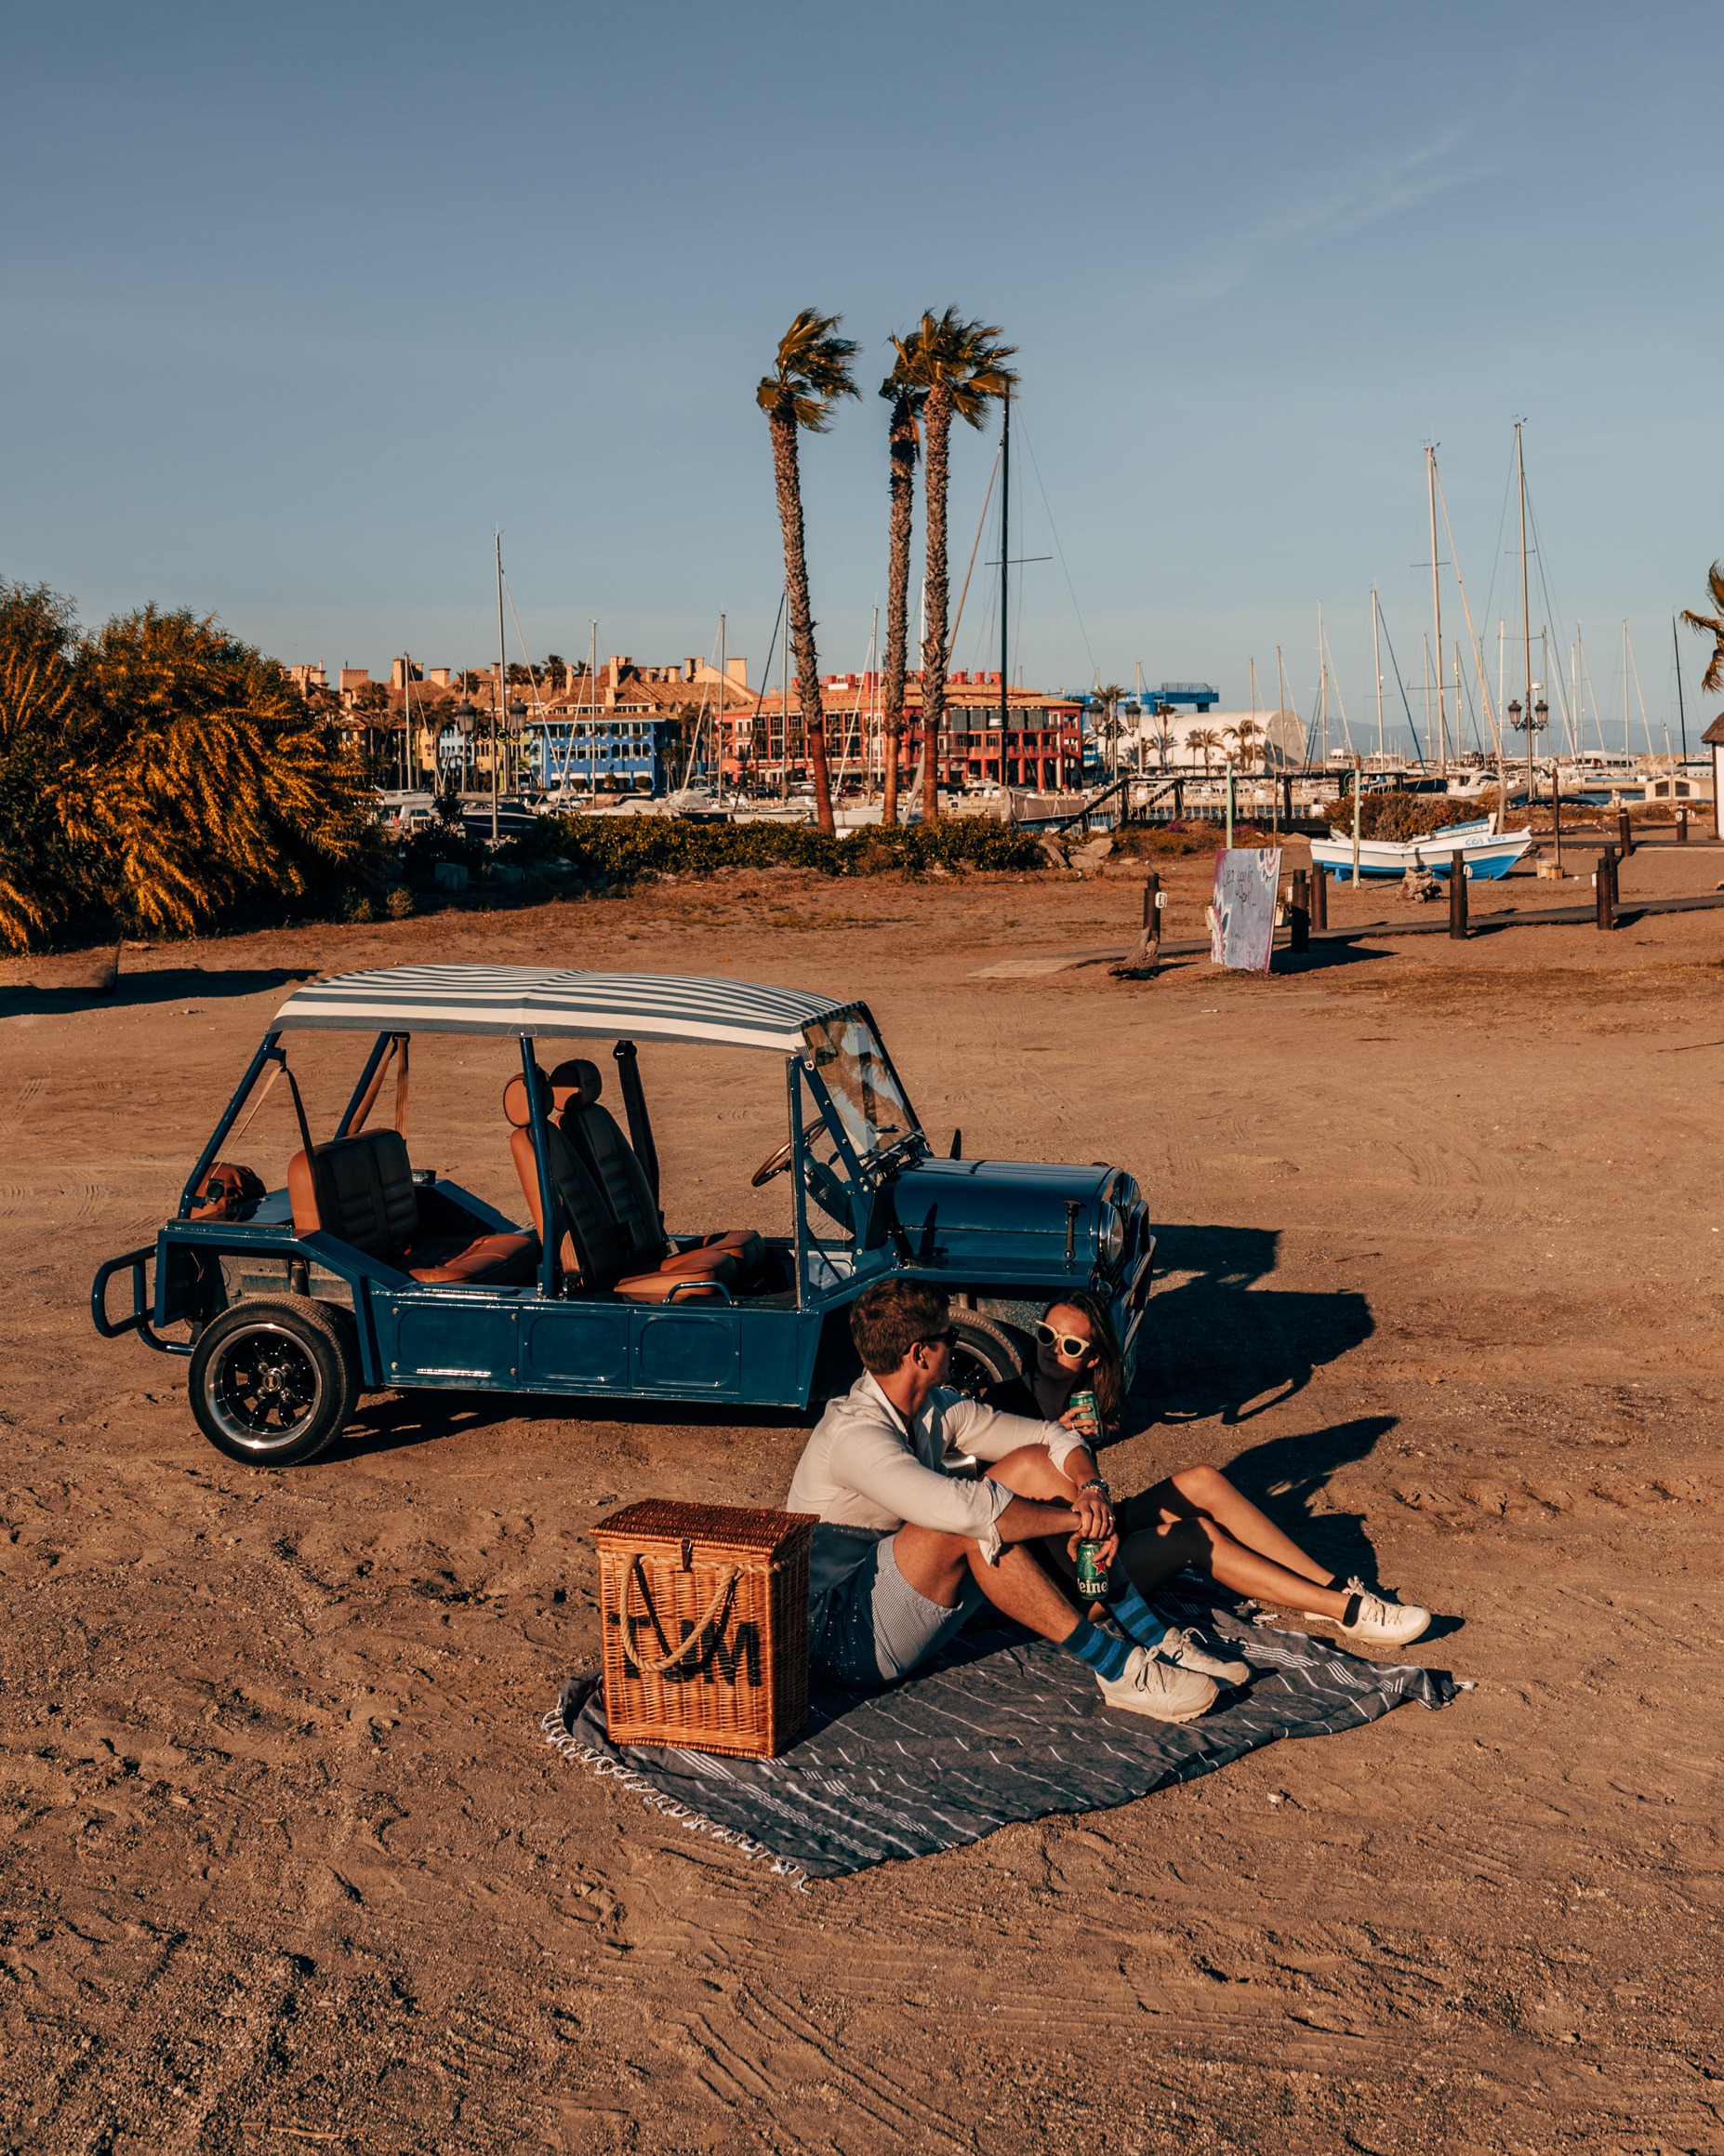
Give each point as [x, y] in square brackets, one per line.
[557, 999]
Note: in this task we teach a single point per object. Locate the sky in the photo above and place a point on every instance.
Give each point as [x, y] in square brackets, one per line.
[303, 304]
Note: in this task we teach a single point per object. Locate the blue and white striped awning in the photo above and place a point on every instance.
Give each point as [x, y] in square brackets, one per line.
[551, 999]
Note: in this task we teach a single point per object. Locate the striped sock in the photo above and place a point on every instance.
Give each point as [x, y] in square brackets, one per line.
[1104, 1654]
[1132, 1615]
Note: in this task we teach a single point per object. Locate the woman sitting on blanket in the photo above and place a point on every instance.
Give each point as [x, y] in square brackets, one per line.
[1194, 1518]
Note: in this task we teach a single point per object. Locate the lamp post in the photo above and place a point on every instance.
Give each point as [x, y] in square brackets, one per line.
[466, 717]
[1540, 720]
[1515, 716]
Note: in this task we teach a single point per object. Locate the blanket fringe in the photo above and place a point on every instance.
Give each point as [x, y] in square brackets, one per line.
[607, 1768]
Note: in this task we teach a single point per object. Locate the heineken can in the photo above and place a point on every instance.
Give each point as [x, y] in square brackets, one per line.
[1092, 1572]
[1082, 1404]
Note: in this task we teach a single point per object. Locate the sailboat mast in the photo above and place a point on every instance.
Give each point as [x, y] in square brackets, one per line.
[502, 686]
[718, 719]
[1443, 731]
[1627, 744]
[1376, 662]
[1526, 605]
[1322, 685]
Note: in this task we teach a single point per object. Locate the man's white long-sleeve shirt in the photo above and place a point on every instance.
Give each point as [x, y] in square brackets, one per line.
[866, 1472]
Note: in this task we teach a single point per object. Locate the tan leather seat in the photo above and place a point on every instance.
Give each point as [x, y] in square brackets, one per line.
[574, 1090]
[594, 1253]
[361, 1189]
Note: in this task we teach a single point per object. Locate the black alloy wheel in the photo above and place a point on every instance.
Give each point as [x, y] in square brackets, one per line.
[272, 1382]
[985, 1353]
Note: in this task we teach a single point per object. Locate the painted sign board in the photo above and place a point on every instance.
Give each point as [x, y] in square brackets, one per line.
[1241, 913]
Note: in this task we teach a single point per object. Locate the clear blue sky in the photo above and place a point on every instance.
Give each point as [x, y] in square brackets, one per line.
[302, 302]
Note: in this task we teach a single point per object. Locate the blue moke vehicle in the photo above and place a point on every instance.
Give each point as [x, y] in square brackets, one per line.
[364, 1272]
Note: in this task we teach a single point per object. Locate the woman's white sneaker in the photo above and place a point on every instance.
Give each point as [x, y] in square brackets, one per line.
[1377, 1622]
[1159, 1690]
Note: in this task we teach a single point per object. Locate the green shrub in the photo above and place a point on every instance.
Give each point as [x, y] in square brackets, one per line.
[399, 904]
[623, 849]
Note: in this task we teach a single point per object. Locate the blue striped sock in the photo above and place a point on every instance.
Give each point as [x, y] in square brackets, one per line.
[1132, 1615]
[1104, 1654]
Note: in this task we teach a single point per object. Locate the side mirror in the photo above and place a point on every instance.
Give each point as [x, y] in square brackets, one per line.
[955, 1151]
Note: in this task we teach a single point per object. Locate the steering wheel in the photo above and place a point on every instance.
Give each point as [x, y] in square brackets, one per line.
[775, 1163]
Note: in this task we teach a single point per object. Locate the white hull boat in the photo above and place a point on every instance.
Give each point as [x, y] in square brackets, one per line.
[1487, 855]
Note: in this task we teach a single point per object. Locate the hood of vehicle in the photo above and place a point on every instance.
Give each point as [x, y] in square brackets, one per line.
[1016, 1217]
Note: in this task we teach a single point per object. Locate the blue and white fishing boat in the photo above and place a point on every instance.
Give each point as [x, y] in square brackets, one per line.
[1488, 854]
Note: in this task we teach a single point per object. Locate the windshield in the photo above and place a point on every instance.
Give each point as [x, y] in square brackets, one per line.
[864, 1087]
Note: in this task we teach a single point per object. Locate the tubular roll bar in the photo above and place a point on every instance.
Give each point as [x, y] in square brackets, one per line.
[138, 1322]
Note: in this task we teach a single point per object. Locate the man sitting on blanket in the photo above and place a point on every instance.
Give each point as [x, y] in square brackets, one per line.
[904, 1550]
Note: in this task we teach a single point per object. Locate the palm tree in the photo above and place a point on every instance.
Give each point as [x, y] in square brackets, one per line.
[1162, 735]
[1205, 740]
[811, 373]
[962, 370]
[1711, 625]
[1108, 727]
[906, 399]
[1245, 738]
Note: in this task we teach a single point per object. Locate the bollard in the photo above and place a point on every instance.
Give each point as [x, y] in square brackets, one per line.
[1604, 883]
[1152, 922]
[1681, 827]
[1299, 912]
[1625, 833]
[1319, 899]
[1457, 896]
[1556, 817]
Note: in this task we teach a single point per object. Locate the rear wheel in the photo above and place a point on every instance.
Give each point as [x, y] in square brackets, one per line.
[273, 1382]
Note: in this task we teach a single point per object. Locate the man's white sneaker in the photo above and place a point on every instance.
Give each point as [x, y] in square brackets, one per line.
[1159, 1690]
[1182, 1647]
[1379, 1622]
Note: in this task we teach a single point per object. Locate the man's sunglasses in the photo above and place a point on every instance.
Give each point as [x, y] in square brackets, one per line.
[946, 1338]
[1064, 1341]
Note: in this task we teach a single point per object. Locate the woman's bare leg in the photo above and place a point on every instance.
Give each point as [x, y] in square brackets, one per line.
[1154, 1554]
[1207, 1491]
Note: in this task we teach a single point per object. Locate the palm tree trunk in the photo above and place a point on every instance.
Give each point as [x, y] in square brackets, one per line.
[787, 472]
[901, 448]
[937, 417]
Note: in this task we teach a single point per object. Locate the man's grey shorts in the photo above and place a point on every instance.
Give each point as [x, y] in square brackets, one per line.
[879, 1628]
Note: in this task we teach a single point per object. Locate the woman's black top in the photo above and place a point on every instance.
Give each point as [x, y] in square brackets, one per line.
[1014, 1396]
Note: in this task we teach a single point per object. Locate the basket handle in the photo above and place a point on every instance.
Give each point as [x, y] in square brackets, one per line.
[671, 1656]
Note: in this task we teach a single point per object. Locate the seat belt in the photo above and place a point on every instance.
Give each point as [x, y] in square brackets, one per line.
[397, 1054]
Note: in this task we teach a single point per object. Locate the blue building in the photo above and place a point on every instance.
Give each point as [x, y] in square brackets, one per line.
[603, 752]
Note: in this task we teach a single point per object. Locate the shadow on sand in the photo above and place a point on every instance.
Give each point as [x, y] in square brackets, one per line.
[166, 985]
[1219, 1345]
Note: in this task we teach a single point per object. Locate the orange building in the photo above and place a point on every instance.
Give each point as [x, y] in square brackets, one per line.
[1041, 746]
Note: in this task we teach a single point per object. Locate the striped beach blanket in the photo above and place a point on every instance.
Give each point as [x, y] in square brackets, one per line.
[1000, 1727]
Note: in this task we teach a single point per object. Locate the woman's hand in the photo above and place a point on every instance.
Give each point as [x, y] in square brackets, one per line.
[1085, 1425]
[1106, 1555]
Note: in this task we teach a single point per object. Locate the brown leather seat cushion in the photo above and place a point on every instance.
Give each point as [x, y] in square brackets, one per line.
[361, 1189]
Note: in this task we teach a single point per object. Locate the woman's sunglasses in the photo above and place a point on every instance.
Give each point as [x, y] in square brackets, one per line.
[1064, 1341]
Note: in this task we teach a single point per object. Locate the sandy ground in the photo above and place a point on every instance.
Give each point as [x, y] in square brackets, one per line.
[288, 1868]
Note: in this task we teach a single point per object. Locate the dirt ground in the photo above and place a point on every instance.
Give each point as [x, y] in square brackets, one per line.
[287, 1865]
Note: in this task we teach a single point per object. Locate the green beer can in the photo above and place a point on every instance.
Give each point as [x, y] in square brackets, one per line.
[1092, 1572]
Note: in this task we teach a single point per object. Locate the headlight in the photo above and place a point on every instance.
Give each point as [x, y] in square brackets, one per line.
[1112, 1236]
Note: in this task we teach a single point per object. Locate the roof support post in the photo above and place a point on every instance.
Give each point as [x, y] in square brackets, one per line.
[268, 1052]
[542, 1163]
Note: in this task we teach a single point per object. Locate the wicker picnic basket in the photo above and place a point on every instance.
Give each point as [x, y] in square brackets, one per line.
[704, 1610]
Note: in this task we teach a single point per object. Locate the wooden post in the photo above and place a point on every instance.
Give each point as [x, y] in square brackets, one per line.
[1605, 885]
[1299, 912]
[1320, 897]
[1625, 833]
[1556, 811]
[1153, 920]
[1457, 896]
[1682, 826]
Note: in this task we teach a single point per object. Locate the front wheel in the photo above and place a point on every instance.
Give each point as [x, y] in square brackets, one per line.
[985, 1353]
[273, 1382]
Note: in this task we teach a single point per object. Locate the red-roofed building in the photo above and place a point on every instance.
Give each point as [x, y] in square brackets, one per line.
[1041, 747]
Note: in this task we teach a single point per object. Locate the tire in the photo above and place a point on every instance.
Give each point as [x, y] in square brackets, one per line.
[272, 1382]
[986, 1353]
